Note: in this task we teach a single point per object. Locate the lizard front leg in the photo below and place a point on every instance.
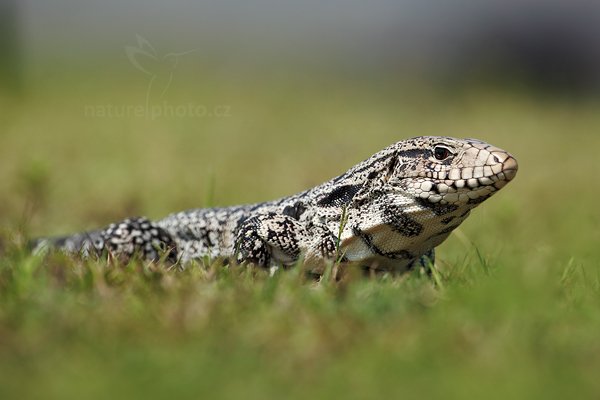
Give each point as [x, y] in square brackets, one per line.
[270, 239]
[275, 239]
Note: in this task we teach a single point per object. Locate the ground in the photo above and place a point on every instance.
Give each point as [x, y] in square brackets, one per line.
[512, 309]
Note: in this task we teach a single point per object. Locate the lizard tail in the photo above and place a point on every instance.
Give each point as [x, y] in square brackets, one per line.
[128, 238]
[84, 243]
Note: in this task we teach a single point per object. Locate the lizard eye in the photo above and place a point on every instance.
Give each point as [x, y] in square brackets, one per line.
[441, 153]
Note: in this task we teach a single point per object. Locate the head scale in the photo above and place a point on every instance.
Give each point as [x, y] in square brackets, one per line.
[461, 172]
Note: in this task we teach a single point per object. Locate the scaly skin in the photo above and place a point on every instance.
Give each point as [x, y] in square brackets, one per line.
[392, 210]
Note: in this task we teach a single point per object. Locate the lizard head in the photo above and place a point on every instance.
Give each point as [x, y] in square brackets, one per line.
[452, 171]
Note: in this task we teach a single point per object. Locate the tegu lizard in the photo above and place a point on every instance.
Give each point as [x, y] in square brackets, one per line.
[388, 212]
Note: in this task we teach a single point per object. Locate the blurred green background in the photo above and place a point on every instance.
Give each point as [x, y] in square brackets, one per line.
[112, 109]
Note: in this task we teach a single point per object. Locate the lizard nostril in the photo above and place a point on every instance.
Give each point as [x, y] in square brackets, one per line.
[510, 167]
[510, 163]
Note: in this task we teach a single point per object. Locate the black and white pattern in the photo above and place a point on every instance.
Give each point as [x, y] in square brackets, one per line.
[387, 212]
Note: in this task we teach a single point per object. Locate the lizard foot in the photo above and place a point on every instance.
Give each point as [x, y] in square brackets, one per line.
[269, 239]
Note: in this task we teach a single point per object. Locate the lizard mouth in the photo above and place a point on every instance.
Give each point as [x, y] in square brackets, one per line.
[497, 176]
[473, 184]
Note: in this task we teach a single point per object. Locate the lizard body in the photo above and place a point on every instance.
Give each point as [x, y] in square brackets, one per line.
[388, 212]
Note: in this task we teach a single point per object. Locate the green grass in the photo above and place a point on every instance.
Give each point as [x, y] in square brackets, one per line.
[513, 310]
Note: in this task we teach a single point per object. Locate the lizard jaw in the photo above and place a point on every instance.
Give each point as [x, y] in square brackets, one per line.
[469, 184]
